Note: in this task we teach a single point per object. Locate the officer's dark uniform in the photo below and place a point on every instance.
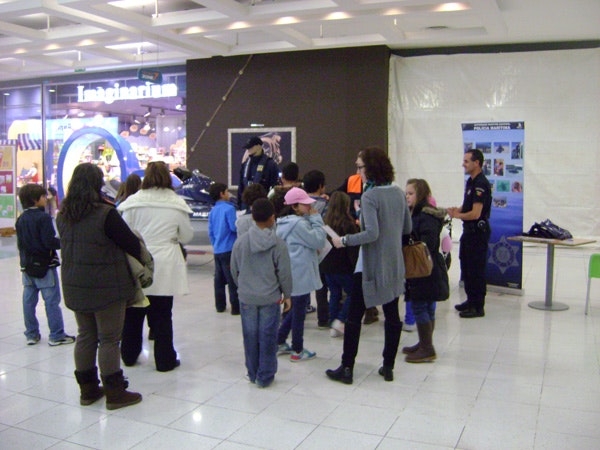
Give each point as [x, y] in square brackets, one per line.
[258, 169]
[474, 241]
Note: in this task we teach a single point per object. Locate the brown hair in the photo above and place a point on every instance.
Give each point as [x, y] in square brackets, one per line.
[157, 175]
[423, 191]
[378, 167]
[338, 215]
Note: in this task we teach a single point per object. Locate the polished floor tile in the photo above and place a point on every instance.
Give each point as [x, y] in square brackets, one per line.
[519, 378]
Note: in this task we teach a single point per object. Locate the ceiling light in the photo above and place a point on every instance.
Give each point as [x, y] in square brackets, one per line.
[80, 114]
[147, 113]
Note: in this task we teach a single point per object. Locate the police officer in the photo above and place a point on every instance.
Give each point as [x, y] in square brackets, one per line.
[257, 168]
[475, 214]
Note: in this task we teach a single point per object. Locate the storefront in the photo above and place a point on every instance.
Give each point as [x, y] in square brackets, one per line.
[111, 119]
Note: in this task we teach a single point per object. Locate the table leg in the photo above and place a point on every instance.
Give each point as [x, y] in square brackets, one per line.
[547, 304]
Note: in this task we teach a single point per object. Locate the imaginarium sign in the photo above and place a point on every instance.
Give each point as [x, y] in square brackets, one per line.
[118, 92]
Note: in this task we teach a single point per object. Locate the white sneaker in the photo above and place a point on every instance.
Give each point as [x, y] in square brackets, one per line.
[338, 325]
[409, 327]
[335, 333]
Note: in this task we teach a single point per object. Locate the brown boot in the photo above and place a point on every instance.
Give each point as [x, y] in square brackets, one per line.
[116, 395]
[371, 315]
[426, 352]
[411, 349]
[89, 384]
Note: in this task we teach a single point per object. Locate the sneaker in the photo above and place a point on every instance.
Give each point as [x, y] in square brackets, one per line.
[33, 340]
[284, 349]
[304, 355]
[335, 333]
[310, 309]
[339, 326]
[65, 340]
[409, 327]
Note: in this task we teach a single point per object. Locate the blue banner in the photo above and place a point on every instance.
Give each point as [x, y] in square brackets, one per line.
[502, 144]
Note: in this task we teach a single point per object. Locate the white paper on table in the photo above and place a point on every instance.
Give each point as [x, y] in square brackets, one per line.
[332, 234]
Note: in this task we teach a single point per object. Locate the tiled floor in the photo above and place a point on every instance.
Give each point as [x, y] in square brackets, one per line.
[517, 379]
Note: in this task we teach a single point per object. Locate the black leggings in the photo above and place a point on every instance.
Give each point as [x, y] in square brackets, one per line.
[392, 327]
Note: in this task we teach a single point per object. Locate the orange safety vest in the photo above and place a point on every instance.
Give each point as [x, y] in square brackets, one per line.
[354, 184]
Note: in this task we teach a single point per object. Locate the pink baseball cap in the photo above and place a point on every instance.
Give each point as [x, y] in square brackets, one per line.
[297, 195]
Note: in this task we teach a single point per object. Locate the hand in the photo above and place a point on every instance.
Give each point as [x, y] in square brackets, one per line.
[337, 242]
[287, 304]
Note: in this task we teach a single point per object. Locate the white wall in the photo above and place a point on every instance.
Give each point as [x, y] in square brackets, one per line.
[556, 94]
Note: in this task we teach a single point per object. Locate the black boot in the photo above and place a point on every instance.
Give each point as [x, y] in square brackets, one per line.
[387, 373]
[341, 374]
[116, 395]
[89, 384]
[463, 306]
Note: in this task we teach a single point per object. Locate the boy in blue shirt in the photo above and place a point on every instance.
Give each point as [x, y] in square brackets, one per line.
[222, 234]
[37, 243]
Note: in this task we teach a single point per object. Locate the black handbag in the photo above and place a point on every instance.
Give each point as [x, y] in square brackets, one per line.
[548, 230]
[37, 266]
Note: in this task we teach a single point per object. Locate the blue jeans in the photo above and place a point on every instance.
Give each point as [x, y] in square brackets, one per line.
[294, 321]
[424, 311]
[338, 282]
[223, 277]
[50, 288]
[259, 327]
[409, 317]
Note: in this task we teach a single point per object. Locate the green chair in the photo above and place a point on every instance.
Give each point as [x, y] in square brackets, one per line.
[594, 272]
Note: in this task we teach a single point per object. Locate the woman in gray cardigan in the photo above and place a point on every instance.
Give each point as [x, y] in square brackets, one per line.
[379, 274]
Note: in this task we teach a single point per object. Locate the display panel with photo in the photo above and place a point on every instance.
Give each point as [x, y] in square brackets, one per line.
[278, 143]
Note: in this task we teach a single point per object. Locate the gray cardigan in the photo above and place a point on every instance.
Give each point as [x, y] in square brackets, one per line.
[384, 218]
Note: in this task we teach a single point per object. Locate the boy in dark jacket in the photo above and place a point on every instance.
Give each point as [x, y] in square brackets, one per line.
[37, 243]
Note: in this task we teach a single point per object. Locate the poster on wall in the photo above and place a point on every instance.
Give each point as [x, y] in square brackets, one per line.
[502, 144]
[7, 186]
[278, 143]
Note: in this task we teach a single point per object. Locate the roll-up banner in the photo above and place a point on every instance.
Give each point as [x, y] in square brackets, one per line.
[502, 144]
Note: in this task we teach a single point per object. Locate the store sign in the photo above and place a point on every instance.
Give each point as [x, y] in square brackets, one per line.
[118, 92]
[153, 76]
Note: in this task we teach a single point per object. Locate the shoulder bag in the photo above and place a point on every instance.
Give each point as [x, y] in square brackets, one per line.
[417, 259]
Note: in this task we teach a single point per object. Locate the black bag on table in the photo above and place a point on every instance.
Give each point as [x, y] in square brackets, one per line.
[548, 230]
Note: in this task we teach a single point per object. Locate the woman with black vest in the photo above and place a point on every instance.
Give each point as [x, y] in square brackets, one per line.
[97, 284]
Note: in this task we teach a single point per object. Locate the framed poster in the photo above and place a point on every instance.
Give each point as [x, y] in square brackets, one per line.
[278, 143]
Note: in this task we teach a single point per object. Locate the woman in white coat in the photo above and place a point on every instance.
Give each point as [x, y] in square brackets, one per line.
[161, 217]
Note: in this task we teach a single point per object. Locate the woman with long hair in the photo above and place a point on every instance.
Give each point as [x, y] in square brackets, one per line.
[132, 184]
[338, 266]
[162, 218]
[422, 293]
[379, 273]
[97, 284]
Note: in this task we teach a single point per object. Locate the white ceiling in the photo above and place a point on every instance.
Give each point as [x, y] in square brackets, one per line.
[52, 37]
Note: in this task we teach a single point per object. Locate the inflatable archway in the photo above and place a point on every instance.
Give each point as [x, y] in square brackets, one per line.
[70, 154]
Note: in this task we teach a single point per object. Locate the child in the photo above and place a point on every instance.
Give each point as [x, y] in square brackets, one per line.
[260, 266]
[302, 231]
[314, 185]
[37, 245]
[338, 266]
[250, 195]
[223, 233]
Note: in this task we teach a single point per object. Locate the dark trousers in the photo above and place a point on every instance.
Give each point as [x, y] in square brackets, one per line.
[473, 261]
[322, 302]
[223, 277]
[392, 327]
[160, 321]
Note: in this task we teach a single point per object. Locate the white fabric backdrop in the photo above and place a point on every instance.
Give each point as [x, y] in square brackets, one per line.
[556, 94]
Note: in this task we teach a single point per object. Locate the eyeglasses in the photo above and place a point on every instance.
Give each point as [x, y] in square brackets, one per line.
[359, 167]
